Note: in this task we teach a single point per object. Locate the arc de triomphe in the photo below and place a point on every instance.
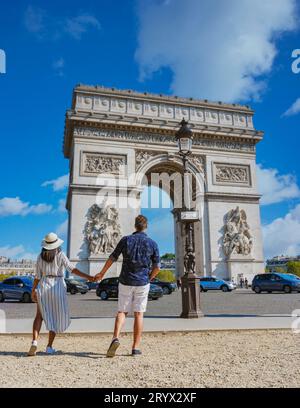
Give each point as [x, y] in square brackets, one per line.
[111, 135]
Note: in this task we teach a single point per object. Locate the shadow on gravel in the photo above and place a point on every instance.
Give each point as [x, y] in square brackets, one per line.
[91, 355]
[88, 355]
[13, 353]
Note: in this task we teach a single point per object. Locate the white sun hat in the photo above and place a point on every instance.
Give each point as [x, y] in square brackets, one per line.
[51, 241]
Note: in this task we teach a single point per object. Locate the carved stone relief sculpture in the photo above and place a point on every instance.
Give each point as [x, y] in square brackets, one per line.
[231, 174]
[237, 237]
[102, 230]
[95, 163]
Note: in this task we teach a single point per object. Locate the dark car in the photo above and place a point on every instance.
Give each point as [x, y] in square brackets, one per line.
[92, 285]
[167, 287]
[76, 286]
[276, 282]
[16, 288]
[108, 288]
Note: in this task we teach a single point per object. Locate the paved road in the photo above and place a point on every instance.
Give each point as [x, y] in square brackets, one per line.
[239, 302]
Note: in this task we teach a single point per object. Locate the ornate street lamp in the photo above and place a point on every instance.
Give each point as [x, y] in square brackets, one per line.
[190, 287]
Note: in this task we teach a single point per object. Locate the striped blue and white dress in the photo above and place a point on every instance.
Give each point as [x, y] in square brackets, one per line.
[52, 292]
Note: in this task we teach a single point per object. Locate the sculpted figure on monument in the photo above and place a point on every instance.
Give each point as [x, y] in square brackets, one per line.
[237, 238]
[102, 230]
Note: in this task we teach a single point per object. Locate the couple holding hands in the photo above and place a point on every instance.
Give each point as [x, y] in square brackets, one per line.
[140, 265]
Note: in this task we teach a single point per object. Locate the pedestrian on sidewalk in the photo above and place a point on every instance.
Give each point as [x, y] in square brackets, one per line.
[246, 283]
[141, 264]
[241, 282]
[49, 291]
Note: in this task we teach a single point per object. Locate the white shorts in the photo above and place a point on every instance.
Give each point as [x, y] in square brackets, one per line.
[133, 298]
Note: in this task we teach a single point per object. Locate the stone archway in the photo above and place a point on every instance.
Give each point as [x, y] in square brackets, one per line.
[165, 171]
[111, 136]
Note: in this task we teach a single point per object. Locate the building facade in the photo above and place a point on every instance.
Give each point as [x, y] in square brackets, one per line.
[20, 268]
[117, 140]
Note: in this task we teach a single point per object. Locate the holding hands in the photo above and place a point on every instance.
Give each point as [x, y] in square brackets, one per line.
[99, 276]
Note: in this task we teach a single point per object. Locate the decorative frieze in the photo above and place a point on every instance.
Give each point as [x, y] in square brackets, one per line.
[145, 137]
[93, 164]
[232, 174]
[168, 111]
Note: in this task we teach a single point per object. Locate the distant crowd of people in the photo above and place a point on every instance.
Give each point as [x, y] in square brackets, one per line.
[244, 283]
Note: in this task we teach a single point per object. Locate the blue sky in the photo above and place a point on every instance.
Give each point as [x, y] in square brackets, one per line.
[238, 53]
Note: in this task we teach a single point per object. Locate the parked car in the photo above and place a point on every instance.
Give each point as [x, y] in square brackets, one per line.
[108, 288]
[212, 283]
[17, 288]
[92, 285]
[167, 287]
[76, 286]
[276, 282]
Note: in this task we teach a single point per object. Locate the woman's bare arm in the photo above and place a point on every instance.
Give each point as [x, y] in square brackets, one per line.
[105, 268]
[83, 275]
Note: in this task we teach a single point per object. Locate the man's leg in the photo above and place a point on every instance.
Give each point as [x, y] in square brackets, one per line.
[140, 300]
[119, 322]
[124, 304]
[137, 329]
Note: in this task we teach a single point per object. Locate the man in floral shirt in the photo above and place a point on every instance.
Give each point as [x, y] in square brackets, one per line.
[141, 263]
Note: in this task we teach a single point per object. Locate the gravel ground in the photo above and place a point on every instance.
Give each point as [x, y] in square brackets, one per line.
[205, 359]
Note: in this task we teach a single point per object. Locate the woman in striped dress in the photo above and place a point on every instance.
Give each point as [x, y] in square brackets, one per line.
[49, 291]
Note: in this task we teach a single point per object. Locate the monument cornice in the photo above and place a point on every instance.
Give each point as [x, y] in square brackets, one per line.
[232, 197]
[160, 98]
[129, 110]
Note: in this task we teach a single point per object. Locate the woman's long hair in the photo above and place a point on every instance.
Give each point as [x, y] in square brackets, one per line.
[48, 255]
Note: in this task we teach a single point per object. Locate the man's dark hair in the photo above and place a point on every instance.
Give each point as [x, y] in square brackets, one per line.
[141, 223]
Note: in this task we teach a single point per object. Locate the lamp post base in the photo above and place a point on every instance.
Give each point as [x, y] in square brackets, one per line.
[190, 290]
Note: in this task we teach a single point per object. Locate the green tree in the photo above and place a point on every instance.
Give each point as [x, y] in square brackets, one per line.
[293, 267]
[166, 275]
[278, 269]
[168, 256]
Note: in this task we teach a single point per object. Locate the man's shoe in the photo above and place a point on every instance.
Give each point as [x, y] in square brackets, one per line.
[32, 351]
[50, 350]
[136, 352]
[114, 345]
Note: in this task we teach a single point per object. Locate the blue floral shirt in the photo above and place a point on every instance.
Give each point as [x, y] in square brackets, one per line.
[140, 254]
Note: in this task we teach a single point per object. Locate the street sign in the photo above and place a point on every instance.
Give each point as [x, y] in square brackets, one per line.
[189, 216]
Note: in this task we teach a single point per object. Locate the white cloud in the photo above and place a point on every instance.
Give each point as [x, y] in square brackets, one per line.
[76, 26]
[275, 187]
[15, 206]
[216, 49]
[16, 252]
[58, 184]
[294, 109]
[58, 66]
[62, 230]
[46, 26]
[61, 205]
[34, 19]
[282, 236]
